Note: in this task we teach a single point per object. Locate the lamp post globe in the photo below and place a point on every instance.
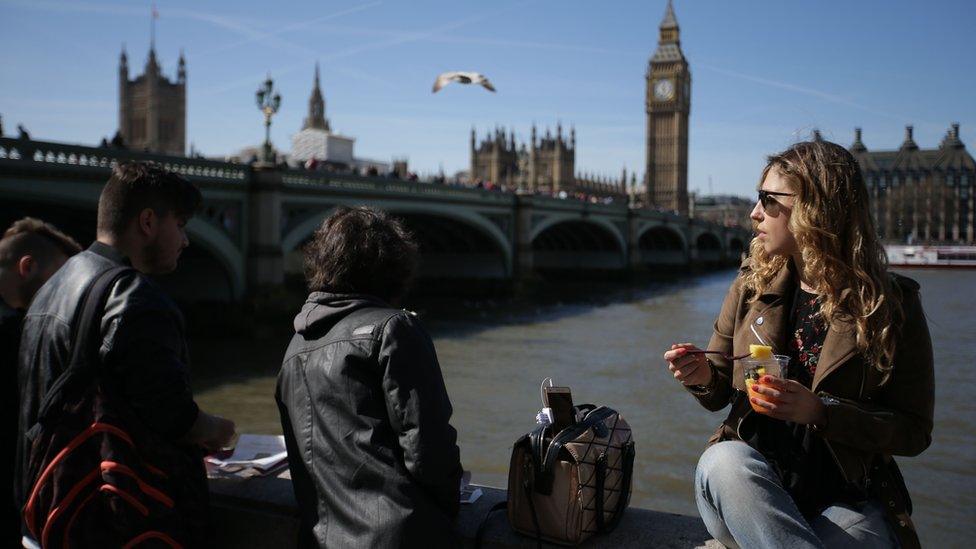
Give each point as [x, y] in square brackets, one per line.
[268, 101]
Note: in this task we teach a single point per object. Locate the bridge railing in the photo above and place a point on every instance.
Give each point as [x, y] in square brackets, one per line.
[351, 182]
[43, 153]
[574, 204]
[84, 160]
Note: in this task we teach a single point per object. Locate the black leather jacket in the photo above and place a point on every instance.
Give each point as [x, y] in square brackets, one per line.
[365, 413]
[9, 343]
[143, 347]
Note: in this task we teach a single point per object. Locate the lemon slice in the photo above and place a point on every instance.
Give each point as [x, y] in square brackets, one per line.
[761, 352]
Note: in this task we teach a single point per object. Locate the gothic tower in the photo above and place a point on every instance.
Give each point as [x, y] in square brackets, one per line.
[316, 108]
[152, 109]
[668, 104]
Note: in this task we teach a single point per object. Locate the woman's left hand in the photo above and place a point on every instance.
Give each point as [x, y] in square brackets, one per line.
[792, 401]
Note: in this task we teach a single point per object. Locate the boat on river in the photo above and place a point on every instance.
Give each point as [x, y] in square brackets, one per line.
[931, 256]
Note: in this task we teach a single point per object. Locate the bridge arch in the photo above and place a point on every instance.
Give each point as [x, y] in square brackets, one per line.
[661, 237]
[574, 243]
[736, 246]
[708, 248]
[662, 245]
[708, 241]
[222, 249]
[438, 230]
[603, 224]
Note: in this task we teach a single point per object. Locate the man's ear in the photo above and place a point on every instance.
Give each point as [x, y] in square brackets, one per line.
[26, 266]
[147, 222]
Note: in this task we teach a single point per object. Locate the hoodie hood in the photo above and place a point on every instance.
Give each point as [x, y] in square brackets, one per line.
[323, 310]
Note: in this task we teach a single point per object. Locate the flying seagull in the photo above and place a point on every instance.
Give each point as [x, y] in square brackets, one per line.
[462, 77]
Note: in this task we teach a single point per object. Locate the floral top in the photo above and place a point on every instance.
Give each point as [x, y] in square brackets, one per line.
[807, 339]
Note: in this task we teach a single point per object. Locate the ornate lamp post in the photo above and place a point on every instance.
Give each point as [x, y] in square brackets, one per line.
[268, 103]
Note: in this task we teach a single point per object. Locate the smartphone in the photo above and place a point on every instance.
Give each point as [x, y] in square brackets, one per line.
[560, 401]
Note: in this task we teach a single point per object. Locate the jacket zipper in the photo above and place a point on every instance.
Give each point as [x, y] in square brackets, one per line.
[864, 467]
[840, 467]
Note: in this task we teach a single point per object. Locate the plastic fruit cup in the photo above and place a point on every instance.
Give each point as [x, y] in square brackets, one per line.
[756, 368]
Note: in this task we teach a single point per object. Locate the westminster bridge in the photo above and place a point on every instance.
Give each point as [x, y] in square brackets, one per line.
[254, 221]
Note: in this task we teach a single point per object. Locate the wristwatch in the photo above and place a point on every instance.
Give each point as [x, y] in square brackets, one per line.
[705, 389]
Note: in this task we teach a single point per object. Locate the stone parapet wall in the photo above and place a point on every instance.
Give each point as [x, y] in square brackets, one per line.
[261, 513]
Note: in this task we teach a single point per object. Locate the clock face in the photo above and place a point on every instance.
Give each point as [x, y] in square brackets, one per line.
[663, 89]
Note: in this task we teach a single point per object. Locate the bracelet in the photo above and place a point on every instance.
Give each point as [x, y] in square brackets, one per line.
[828, 401]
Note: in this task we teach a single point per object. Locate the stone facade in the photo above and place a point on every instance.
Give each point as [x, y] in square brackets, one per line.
[923, 196]
[724, 210]
[152, 109]
[668, 104]
[546, 165]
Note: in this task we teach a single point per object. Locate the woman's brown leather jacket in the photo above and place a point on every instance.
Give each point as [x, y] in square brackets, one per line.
[867, 421]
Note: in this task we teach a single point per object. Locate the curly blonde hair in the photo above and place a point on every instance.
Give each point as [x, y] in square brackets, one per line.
[843, 259]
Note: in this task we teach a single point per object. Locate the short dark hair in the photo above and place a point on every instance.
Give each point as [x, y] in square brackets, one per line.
[36, 238]
[135, 186]
[362, 251]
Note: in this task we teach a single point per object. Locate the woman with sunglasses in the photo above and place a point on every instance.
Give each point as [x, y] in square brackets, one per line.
[812, 466]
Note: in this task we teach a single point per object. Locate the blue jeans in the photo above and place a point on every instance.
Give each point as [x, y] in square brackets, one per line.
[743, 504]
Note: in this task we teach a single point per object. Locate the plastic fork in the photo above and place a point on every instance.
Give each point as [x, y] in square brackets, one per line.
[720, 353]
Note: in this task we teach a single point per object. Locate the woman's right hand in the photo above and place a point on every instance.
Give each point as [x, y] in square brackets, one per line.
[689, 369]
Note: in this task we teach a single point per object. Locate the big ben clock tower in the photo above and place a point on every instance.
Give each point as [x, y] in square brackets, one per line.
[668, 103]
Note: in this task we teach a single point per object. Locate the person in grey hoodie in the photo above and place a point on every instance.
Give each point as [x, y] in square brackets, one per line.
[365, 413]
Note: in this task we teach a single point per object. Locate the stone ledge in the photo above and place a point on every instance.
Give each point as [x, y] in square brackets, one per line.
[261, 513]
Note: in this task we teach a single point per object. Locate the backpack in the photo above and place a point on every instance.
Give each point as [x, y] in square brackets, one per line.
[565, 487]
[98, 476]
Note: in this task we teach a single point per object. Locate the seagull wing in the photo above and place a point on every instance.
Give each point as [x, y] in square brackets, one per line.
[443, 79]
[484, 82]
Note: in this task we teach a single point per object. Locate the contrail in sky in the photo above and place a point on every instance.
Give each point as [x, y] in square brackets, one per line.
[232, 24]
[833, 98]
[395, 41]
[394, 38]
[254, 35]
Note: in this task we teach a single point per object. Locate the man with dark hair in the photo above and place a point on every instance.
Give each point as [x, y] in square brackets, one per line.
[365, 414]
[30, 252]
[142, 216]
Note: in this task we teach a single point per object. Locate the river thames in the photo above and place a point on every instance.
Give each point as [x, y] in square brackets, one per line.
[608, 349]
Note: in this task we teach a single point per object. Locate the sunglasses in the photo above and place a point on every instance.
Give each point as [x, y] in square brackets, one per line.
[767, 200]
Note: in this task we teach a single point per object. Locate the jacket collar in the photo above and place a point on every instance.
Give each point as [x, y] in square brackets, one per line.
[330, 297]
[840, 343]
[783, 284]
[839, 346]
[109, 253]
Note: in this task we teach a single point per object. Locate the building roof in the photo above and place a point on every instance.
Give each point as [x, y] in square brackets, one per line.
[951, 155]
[669, 21]
[667, 53]
[668, 46]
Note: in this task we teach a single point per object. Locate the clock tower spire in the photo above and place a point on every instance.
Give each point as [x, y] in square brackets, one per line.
[668, 104]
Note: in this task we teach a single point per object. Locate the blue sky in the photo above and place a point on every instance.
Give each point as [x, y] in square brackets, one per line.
[765, 73]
